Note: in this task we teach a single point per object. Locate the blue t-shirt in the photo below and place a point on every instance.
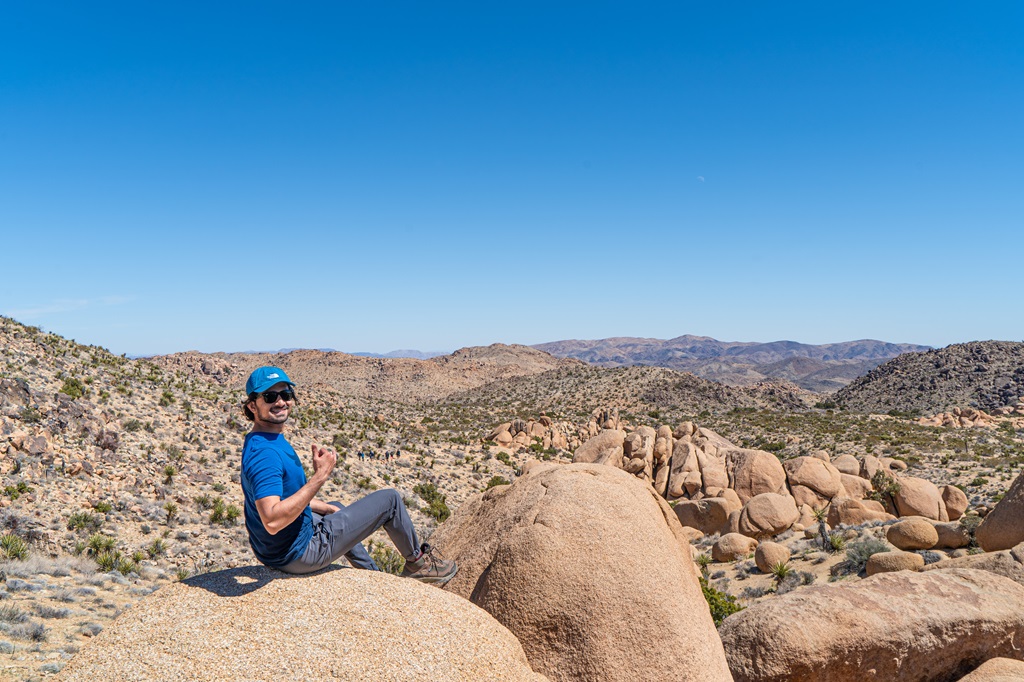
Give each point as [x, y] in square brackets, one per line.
[270, 467]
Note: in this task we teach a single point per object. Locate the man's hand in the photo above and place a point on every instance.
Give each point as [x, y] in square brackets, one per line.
[324, 460]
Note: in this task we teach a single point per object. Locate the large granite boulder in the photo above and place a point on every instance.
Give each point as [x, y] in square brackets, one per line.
[1008, 563]
[254, 623]
[752, 472]
[997, 670]
[768, 514]
[912, 627]
[918, 497]
[812, 481]
[589, 568]
[1003, 527]
[604, 448]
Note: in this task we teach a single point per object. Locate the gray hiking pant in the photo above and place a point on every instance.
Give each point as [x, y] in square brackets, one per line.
[342, 532]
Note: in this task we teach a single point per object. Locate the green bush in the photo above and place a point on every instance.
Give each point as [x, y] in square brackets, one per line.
[437, 506]
[495, 481]
[73, 387]
[13, 547]
[722, 605]
[386, 558]
[84, 521]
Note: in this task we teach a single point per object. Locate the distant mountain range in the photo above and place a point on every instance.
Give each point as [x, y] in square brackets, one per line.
[820, 368]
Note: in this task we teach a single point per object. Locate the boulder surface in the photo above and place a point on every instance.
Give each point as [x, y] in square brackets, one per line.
[913, 627]
[253, 623]
[588, 566]
[1003, 527]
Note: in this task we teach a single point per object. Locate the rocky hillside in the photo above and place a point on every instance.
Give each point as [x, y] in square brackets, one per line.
[821, 368]
[986, 375]
[397, 379]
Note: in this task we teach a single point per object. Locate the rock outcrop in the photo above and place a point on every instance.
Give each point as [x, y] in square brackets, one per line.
[997, 670]
[561, 554]
[873, 629]
[1003, 527]
[1008, 563]
[254, 623]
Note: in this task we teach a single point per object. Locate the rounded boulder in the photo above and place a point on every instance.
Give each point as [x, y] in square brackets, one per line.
[1003, 527]
[912, 533]
[254, 623]
[561, 554]
[888, 562]
[770, 554]
[732, 546]
[768, 514]
[918, 497]
[955, 501]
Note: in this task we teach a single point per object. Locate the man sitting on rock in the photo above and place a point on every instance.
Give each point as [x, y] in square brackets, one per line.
[289, 528]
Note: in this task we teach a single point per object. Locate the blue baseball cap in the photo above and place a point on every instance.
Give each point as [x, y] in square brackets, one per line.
[263, 378]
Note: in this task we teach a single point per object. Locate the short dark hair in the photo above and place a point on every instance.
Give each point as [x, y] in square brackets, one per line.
[245, 406]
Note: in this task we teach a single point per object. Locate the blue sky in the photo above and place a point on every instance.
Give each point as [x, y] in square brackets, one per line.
[234, 176]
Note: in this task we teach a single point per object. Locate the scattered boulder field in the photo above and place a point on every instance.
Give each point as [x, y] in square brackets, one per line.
[634, 523]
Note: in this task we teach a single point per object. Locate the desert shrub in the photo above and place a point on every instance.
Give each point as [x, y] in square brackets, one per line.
[98, 544]
[970, 524]
[703, 560]
[858, 553]
[156, 548]
[35, 632]
[9, 613]
[44, 611]
[721, 605]
[386, 558]
[780, 571]
[16, 490]
[103, 507]
[73, 387]
[437, 505]
[13, 547]
[495, 481]
[364, 483]
[84, 521]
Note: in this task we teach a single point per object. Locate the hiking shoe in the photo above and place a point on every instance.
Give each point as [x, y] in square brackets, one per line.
[431, 567]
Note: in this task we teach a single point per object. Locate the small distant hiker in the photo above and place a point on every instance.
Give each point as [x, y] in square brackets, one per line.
[289, 528]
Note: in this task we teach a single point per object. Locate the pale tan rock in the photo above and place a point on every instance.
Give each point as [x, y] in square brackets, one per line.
[732, 546]
[912, 533]
[873, 505]
[997, 670]
[918, 497]
[730, 495]
[1008, 563]
[812, 481]
[1003, 527]
[684, 430]
[604, 448]
[561, 554]
[850, 512]
[951, 536]
[712, 443]
[684, 477]
[712, 471]
[847, 464]
[709, 515]
[869, 466]
[806, 518]
[855, 486]
[691, 534]
[768, 514]
[752, 472]
[820, 454]
[891, 464]
[503, 438]
[888, 562]
[873, 629]
[253, 623]
[769, 554]
[955, 501]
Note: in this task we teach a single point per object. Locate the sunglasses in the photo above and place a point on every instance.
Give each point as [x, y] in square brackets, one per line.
[270, 397]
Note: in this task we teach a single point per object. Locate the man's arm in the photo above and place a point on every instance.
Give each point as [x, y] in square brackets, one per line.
[276, 513]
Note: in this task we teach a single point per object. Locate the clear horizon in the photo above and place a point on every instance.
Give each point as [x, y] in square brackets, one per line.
[230, 177]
